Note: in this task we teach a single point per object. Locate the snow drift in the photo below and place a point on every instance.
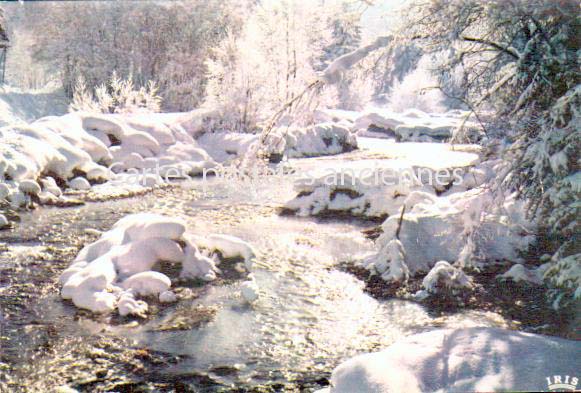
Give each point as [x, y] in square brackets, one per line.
[378, 189]
[123, 264]
[78, 150]
[413, 125]
[462, 360]
[293, 142]
[442, 229]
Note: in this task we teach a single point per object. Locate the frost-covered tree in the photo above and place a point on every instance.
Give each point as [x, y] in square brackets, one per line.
[281, 49]
[165, 42]
[115, 96]
[520, 60]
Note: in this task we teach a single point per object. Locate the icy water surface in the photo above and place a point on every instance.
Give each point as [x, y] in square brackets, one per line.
[310, 316]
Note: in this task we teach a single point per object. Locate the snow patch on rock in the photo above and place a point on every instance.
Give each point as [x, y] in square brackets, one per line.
[120, 266]
[461, 360]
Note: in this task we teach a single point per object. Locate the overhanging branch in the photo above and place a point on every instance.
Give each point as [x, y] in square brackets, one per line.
[492, 44]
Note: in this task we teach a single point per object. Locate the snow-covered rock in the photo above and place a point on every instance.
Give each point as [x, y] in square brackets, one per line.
[3, 221]
[462, 360]
[128, 305]
[249, 290]
[79, 183]
[29, 187]
[111, 272]
[147, 283]
[229, 247]
[519, 273]
[317, 140]
[167, 297]
[445, 278]
[412, 125]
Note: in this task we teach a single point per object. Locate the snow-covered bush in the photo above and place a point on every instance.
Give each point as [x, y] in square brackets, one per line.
[438, 229]
[445, 279]
[114, 271]
[417, 90]
[116, 96]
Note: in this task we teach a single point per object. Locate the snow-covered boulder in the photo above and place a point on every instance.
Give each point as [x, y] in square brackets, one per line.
[444, 278]
[249, 290]
[462, 360]
[317, 140]
[412, 125]
[390, 262]
[111, 272]
[4, 223]
[519, 273]
[79, 183]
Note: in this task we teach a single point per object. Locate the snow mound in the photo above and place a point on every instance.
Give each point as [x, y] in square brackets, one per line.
[19, 106]
[461, 360]
[294, 142]
[390, 262]
[318, 140]
[519, 273]
[226, 146]
[80, 150]
[442, 230]
[249, 290]
[445, 278]
[412, 125]
[111, 272]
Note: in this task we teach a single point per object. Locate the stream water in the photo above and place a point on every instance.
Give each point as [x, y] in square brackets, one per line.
[310, 315]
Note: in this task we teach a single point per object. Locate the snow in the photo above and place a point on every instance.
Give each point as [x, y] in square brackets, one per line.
[168, 297]
[79, 149]
[375, 189]
[3, 221]
[445, 278]
[519, 273]
[412, 125]
[113, 271]
[438, 230]
[461, 360]
[249, 290]
[79, 183]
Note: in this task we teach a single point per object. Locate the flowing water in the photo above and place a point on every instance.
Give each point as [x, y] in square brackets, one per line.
[310, 315]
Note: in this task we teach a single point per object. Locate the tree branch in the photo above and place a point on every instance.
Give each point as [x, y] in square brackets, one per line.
[492, 44]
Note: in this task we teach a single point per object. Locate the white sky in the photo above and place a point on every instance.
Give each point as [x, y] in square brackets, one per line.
[380, 18]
